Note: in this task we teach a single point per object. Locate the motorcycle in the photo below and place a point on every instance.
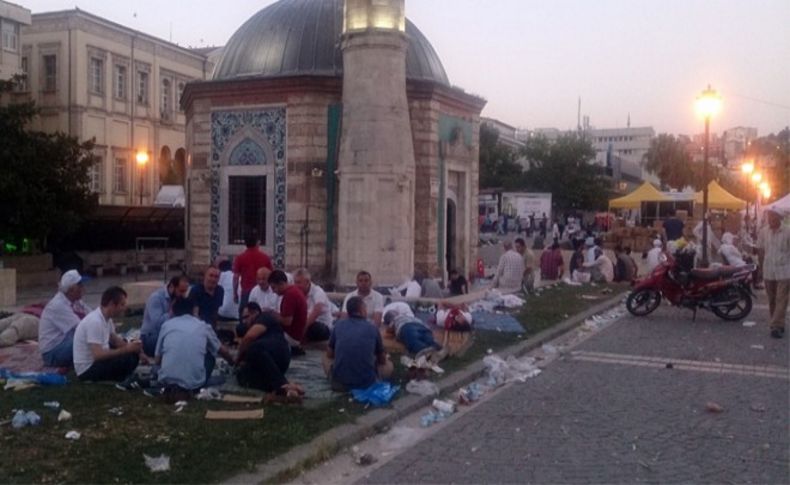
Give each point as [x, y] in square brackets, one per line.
[725, 290]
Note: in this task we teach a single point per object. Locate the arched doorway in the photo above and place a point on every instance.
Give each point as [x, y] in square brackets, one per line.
[180, 166]
[450, 243]
[165, 162]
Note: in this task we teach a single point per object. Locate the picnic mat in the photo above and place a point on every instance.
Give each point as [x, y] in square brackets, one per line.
[496, 322]
[23, 357]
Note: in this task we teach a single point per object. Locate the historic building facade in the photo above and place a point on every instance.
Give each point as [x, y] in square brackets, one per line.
[12, 19]
[92, 78]
[377, 173]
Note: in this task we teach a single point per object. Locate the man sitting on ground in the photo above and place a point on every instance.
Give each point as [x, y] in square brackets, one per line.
[625, 267]
[292, 311]
[319, 308]
[99, 353]
[412, 332]
[186, 350]
[458, 284]
[208, 296]
[355, 358]
[374, 301]
[510, 271]
[157, 310]
[264, 354]
[263, 294]
[59, 320]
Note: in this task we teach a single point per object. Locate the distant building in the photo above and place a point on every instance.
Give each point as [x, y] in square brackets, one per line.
[736, 141]
[551, 134]
[93, 78]
[508, 136]
[12, 19]
[630, 144]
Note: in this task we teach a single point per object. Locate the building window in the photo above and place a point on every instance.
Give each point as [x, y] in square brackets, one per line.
[50, 72]
[10, 36]
[246, 208]
[96, 81]
[179, 94]
[142, 87]
[95, 174]
[120, 82]
[166, 102]
[22, 84]
[121, 180]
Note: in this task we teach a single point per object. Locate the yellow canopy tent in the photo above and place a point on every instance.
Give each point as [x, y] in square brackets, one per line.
[645, 193]
[718, 198]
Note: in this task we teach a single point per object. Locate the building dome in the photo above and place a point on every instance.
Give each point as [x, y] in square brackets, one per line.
[303, 38]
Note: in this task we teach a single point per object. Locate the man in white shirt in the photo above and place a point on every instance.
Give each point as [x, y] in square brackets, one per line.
[601, 270]
[374, 301]
[655, 256]
[410, 288]
[773, 244]
[229, 310]
[99, 353]
[319, 308]
[510, 270]
[59, 320]
[729, 251]
[263, 294]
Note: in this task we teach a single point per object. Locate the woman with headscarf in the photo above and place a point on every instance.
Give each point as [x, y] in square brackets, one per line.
[729, 251]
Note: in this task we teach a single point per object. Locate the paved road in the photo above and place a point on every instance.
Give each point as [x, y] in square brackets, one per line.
[611, 411]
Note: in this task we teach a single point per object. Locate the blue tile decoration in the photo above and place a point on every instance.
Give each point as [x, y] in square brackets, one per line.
[270, 124]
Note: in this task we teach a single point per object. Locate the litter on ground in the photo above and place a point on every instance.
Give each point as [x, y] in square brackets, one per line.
[73, 435]
[157, 464]
[422, 387]
[63, 416]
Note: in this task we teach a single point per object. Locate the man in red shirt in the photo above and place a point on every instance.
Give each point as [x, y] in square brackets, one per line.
[293, 310]
[245, 267]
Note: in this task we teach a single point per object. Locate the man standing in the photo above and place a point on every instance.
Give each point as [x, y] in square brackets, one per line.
[510, 270]
[319, 308]
[355, 358]
[528, 280]
[59, 321]
[245, 268]
[773, 244]
[673, 228]
[157, 310]
[293, 310]
[208, 296]
[263, 294]
[186, 350]
[374, 301]
[99, 353]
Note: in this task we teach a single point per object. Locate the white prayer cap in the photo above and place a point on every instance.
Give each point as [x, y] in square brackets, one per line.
[657, 243]
[69, 279]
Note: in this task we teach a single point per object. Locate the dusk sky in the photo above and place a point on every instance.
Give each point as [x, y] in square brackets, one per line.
[532, 59]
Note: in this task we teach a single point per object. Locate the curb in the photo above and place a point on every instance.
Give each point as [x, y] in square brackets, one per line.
[329, 443]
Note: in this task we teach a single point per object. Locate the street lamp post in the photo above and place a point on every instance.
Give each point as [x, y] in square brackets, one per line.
[708, 105]
[142, 159]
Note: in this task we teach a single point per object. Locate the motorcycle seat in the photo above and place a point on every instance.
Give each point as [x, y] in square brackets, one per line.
[714, 273]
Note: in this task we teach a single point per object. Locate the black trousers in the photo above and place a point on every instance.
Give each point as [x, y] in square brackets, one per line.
[115, 369]
[317, 332]
[265, 365]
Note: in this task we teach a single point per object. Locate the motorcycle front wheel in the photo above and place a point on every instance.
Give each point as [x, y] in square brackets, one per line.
[643, 302]
[733, 304]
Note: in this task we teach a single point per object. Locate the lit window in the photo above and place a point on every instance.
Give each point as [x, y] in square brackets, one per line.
[96, 75]
[120, 175]
[120, 82]
[50, 72]
[246, 208]
[10, 36]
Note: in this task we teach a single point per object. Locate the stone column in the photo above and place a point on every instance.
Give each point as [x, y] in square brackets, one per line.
[376, 164]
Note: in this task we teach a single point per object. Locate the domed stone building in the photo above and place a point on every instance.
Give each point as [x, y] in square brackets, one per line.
[331, 130]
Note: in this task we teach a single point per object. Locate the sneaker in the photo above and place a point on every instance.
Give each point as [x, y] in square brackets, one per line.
[777, 332]
[153, 391]
[129, 384]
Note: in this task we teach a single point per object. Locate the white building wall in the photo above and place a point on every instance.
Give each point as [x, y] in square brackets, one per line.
[12, 19]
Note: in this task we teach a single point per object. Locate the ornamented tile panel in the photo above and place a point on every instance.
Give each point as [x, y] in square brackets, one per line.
[270, 124]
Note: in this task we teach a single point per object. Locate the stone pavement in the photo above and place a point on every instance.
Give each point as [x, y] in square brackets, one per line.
[611, 411]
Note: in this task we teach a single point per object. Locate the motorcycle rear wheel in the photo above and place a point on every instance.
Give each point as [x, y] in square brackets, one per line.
[737, 310]
[643, 302]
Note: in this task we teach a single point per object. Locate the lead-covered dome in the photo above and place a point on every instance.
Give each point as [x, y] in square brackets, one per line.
[302, 37]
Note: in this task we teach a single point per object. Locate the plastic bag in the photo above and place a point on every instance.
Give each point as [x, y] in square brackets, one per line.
[378, 394]
[157, 464]
[422, 387]
[400, 437]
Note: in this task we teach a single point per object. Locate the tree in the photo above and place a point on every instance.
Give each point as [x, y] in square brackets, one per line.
[566, 169]
[498, 168]
[44, 187]
[671, 162]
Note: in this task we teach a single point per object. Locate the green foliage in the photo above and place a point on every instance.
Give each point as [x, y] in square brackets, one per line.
[671, 162]
[44, 188]
[498, 168]
[566, 168]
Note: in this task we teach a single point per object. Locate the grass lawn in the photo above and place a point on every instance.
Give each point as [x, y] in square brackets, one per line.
[111, 447]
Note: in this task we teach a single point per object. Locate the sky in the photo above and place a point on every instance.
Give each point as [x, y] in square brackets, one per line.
[533, 59]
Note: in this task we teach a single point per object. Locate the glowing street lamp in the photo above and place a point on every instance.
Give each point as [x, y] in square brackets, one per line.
[708, 106]
[747, 168]
[757, 177]
[766, 193]
[142, 160]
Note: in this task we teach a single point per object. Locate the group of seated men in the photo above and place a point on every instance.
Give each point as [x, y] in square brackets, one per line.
[180, 328]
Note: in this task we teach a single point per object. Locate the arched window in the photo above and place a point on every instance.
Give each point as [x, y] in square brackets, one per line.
[180, 165]
[165, 166]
